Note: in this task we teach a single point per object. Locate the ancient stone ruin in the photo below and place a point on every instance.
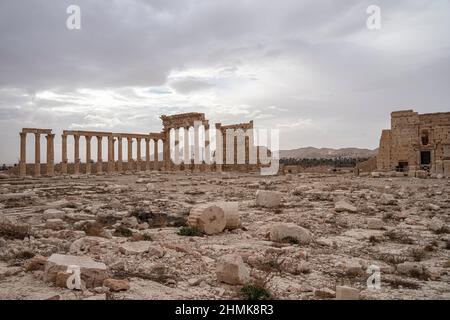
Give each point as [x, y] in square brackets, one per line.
[416, 143]
[231, 154]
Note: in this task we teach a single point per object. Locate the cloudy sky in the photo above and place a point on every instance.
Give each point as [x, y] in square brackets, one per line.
[311, 69]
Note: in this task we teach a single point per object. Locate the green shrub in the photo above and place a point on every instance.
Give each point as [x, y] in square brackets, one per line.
[123, 232]
[190, 232]
[255, 292]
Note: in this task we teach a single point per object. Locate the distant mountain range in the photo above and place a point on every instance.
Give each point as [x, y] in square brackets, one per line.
[327, 153]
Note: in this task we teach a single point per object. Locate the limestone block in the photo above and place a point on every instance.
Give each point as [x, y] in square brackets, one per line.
[279, 232]
[116, 285]
[138, 247]
[342, 206]
[374, 223]
[208, 218]
[346, 293]
[232, 270]
[92, 273]
[269, 199]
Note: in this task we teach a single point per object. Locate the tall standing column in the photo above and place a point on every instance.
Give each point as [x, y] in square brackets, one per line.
[88, 155]
[119, 154]
[196, 148]
[155, 156]
[37, 154]
[99, 154]
[130, 153]
[207, 149]
[138, 151]
[64, 153]
[110, 154]
[77, 154]
[177, 149]
[23, 154]
[50, 155]
[186, 157]
[147, 154]
[219, 148]
[166, 149]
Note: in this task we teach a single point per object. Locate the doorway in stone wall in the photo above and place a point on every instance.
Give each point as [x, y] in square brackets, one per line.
[425, 159]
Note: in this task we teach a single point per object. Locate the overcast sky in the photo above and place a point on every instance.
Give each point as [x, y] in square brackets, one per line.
[309, 68]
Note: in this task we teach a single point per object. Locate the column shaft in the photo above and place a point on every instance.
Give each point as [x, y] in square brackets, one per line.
[64, 153]
[155, 157]
[207, 149]
[88, 155]
[50, 155]
[77, 154]
[186, 158]
[130, 153]
[147, 154]
[177, 149]
[37, 154]
[196, 149]
[138, 151]
[110, 154]
[119, 154]
[23, 154]
[99, 154]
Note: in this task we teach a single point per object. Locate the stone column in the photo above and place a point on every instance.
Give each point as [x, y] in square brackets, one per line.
[99, 154]
[130, 153]
[77, 154]
[155, 157]
[50, 155]
[64, 154]
[147, 154]
[207, 149]
[138, 156]
[23, 154]
[119, 154]
[114, 150]
[37, 154]
[219, 148]
[186, 160]
[110, 154]
[196, 148]
[88, 155]
[166, 149]
[177, 149]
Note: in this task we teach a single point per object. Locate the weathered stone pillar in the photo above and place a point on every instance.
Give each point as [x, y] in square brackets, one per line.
[155, 157]
[147, 154]
[50, 155]
[219, 148]
[23, 154]
[119, 154]
[64, 153]
[166, 149]
[114, 151]
[77, 154]
[196, 148]
[37, 154]
[130, 153]
[186, 158]
[99, 154]
[88, 155]
[138, 156]
[110, 154]
[177, 149]
[207, 150]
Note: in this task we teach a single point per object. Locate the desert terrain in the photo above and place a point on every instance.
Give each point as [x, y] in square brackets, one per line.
[128, 226]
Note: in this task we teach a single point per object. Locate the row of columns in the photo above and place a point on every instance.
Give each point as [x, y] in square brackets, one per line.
[186, 154]
[50, 167]
[111, 154]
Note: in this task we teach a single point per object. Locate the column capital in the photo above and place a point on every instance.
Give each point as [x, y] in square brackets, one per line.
[23, 134]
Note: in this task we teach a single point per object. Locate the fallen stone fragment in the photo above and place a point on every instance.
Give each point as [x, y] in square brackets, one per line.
[433, 207]
[116, 285]
[231, 211]
[16, 196]
[53, 214]
[324, 293]
[374, 223]
[342, 206]
[138, 247]
[208, 218]
[232, 270]
[346, 293]
[55, 224]
[436, 224]
[268, 199]
[92, 273]
[287, 232]
[409, 268]
[86, 244]
[36, 263]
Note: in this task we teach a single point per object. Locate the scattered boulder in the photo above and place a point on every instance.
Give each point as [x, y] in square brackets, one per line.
[268, 199]
[342, 206]
[232, 270]
[409, 268]
[53, 214]
[87, 244]
[116, 285]
[433, 207]
[375, 223]
[436, 224]
[36, 263]
[92, 273]
[208, 218]
[289, 232]
[324, 293]
[55, 224]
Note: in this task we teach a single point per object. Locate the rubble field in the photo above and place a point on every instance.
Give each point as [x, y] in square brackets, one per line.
[302, 236]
